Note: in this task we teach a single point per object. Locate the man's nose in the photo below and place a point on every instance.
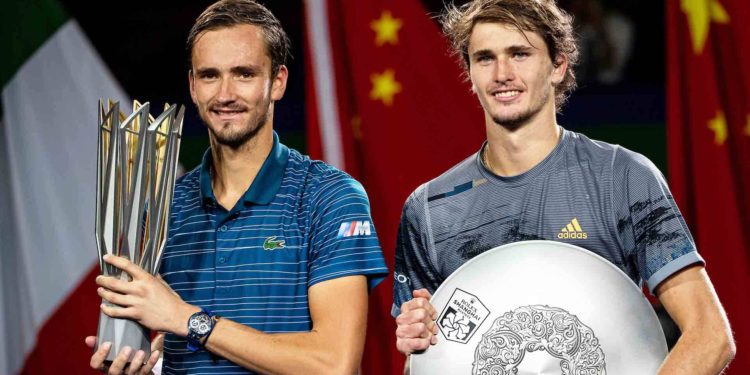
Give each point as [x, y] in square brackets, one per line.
[227, 91]
[504, 70]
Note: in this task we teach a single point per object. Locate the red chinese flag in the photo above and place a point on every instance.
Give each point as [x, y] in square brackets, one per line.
[387, 103]
[708, 127]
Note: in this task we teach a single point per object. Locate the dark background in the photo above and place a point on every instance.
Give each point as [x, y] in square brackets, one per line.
[144, 46]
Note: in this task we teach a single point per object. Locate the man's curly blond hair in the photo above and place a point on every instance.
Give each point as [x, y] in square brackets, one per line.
[543, 17]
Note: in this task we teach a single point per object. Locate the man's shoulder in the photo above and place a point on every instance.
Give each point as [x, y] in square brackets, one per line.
[320, 179]
[188, 183]
[615, 157]
[466, 169]
[464, 174]
[593, 149]
[619, 162]
[629, 160]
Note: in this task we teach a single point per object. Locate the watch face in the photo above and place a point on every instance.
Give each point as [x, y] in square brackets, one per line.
[200, 324]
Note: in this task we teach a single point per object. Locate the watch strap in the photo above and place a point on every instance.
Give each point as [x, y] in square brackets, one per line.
[195, 340]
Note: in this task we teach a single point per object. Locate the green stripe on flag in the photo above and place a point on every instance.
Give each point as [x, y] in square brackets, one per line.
[24, 26]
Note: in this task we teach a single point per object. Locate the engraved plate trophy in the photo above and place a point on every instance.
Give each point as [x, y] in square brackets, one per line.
[542, 307]
[136, 163]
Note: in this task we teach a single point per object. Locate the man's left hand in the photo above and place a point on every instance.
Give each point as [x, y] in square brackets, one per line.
[146, 299]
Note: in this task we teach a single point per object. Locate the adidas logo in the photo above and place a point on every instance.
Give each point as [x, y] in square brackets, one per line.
[572, 231]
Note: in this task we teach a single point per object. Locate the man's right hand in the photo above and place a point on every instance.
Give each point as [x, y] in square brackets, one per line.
[416, 324]
[138, 365]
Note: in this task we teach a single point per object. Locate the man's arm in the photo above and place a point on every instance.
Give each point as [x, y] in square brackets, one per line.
[338, 309]
[706, 345]
[414, 277]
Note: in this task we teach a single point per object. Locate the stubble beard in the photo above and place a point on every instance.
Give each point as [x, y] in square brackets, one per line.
[516, 121]
[235, 140]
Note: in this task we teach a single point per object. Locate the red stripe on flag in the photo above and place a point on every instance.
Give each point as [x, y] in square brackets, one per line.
[60, 348]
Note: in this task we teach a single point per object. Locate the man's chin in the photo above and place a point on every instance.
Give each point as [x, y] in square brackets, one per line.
[226, 125]
[234, 139]
[512, 121]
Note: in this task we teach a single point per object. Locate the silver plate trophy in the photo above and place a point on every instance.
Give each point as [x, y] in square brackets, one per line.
[542, 307]
[136, 163]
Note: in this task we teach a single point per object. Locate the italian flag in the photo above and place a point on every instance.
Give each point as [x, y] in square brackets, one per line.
[51, 80]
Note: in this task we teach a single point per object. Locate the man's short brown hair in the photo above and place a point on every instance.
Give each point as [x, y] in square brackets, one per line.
[543, 17]
[228, 13]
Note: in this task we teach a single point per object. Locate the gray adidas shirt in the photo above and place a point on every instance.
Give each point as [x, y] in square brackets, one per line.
[602, 197]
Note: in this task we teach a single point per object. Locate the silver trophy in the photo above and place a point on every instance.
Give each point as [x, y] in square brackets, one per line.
[542, 307]
[136, 163]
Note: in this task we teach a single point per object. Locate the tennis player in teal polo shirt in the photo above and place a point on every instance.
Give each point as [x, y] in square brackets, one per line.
[270, 255]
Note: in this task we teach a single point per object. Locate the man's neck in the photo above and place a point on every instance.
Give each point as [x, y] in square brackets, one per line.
[234, 170]
[511, 152]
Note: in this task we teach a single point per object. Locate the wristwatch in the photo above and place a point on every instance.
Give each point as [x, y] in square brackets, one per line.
[200, 325]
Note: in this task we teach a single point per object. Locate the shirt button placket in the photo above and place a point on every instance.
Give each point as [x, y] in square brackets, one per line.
[220, 260]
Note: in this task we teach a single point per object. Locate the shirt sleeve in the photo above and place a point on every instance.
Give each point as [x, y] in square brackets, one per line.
[413, 268]
[343, 241]
[650, 226]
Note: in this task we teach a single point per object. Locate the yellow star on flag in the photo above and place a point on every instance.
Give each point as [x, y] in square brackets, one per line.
[700, 13]
[719, 127]
[384, 87]
[747, 126]
[386, 29]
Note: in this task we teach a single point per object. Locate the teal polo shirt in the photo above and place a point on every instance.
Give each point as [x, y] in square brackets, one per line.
[301, 222]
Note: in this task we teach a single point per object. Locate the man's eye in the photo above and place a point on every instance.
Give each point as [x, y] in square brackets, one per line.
[207, 76]
[484, 59]
[521, 55]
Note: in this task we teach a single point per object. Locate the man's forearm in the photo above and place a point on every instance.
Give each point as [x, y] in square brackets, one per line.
[291, 353]
[333, 346]
[699, 353]
[706, 345]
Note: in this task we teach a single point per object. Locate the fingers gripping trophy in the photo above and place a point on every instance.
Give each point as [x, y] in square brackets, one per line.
[136, 163]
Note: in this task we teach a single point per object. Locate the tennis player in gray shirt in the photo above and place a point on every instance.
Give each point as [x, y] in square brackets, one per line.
[532, 179]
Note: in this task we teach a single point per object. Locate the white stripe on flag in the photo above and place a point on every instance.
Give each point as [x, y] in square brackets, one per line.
[325, 82]
[50, 136]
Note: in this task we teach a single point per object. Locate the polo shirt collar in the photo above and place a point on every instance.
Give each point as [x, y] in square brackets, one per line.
[266, 183]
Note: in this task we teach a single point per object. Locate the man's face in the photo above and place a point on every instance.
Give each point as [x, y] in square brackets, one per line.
[231, 83]
[513, 77]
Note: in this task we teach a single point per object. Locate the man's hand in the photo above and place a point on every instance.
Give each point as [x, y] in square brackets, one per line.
[146, 299]
[416, 324]
[139, 365]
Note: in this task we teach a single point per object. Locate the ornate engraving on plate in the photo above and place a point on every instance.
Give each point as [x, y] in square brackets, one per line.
[538, 327]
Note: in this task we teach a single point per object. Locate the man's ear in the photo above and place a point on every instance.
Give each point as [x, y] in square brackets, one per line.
[560, 67]
[191, 83]
[278, 86]
[471, 80]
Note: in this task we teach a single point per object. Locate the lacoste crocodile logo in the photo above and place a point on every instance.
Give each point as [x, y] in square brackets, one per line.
[272, 244]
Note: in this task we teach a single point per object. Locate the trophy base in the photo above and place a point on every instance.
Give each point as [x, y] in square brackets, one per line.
[122, 333]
